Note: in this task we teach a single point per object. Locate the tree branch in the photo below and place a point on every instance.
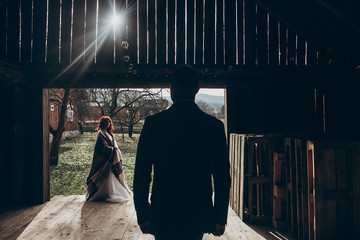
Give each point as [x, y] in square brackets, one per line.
[52, 130]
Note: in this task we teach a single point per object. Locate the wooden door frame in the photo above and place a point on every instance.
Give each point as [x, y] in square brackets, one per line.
[46, 144]
[46, 141]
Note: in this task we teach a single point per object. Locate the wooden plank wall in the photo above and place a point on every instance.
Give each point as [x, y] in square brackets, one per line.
[297, 188]
[279, 192]
[311, 189]
[199, 32]
[22, 154]
[302, 189]
[322, 193]
[285, 110]
[251, 168]
[320, 189]
[236, 149]
[333, 189]
[291, 186]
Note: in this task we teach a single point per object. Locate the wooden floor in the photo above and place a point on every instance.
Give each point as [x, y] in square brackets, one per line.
[70, 217]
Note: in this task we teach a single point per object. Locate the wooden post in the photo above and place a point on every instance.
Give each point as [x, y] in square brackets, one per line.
[35, 137]
[311, 189]
[294, 203]
[237, 173]
[250, 174]
[356, 190]
[46, 155]
[242, 159]
[291, 186]
[279, 181]
[256, 149]
[231, 159]
[298, 176]
[303, 191]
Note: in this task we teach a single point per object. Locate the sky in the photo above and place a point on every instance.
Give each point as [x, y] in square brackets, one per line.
[212, 91]
[209, 91]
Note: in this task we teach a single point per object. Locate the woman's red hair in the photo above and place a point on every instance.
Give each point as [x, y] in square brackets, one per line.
[102, 124]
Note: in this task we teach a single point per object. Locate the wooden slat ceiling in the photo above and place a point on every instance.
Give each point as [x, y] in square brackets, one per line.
[164, 32]
[334, 26]
[217, 36]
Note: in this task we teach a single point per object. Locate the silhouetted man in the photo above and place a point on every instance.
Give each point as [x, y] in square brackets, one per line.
[186, 147]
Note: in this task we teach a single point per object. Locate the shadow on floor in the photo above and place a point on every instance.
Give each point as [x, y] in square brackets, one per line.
[14, 220]
[269, 232]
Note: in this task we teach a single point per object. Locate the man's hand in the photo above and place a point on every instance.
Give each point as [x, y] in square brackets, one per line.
[219, 230]
[145, 227]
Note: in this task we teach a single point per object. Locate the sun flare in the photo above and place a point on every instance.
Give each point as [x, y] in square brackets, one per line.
[117, 20]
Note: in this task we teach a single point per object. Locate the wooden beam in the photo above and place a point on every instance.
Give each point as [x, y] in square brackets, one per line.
[45, 138]
[114, 75]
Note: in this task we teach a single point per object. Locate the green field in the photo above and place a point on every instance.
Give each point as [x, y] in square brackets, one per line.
[69, 176]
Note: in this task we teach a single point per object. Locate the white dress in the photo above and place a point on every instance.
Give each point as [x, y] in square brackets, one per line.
[112, 189]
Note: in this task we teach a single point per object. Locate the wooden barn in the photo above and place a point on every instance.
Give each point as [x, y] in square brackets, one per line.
[291, 70]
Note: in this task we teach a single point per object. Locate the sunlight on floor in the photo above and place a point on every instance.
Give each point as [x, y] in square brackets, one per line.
[71, 217]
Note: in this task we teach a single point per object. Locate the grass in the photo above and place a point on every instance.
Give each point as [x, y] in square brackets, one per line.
[69, 176]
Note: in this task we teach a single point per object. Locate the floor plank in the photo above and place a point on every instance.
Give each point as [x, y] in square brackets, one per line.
[132, 230]
[98, 218]
[119, 222]
[17, 220]
[146, 237]
[71, 217]
[50, 218]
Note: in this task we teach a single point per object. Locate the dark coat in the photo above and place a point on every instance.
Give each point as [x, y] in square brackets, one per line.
[102, 160]
[186, 147]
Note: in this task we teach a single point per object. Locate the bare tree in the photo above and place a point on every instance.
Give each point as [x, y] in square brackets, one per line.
[60, 98]
[221, 113]
[140, 109]
[205, 107]
[80, 98]
[111, 101]
[123, 104]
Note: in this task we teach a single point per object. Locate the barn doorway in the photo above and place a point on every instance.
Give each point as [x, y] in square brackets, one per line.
[70, 164]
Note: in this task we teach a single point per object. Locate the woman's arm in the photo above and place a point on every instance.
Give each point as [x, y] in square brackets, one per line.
[103, 148]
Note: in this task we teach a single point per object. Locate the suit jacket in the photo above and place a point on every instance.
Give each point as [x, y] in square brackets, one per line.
[186, 147]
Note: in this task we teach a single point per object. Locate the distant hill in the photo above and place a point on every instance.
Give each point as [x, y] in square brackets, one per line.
[210, 98]
[214, 101]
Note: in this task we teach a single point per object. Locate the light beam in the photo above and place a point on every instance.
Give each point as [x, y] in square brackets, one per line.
[116, 20]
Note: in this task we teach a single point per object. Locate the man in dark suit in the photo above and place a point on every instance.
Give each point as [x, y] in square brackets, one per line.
[187, 148]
